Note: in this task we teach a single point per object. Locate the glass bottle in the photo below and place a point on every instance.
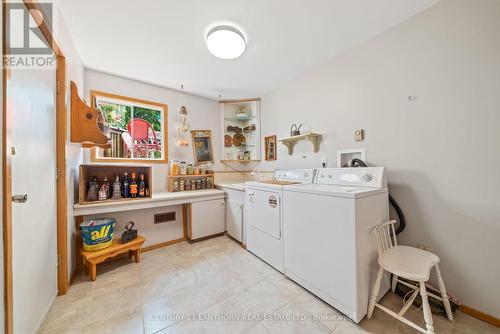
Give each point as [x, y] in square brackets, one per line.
[93, 192]
[142, 186]
[117, 188]
[107, 188]
[133, 186]
[126, 186]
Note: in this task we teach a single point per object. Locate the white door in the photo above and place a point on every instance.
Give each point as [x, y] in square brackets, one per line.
[31, 110]
[263, 212]
[207, 218]
[234, 218]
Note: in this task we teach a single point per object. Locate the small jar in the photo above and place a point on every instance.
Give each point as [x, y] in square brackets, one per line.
[203, 169]
[190, 170]
[196, 170]
[182, 168]
[174, 167]
[181, 185]
[198, 184]
[203, 183]
[210, 168]
[187, 185]
[175, 186]
[209, 183]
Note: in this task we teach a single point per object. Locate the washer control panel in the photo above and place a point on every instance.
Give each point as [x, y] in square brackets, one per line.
[302, 175]
[361, 177]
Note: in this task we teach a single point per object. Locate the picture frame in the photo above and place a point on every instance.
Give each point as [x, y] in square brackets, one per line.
[270, 152]
[202, 146]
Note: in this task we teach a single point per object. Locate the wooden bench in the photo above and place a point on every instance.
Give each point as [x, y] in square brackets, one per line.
[92, 259]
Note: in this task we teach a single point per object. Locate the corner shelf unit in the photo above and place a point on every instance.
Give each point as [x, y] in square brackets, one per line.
[290, 142]
[230, 119]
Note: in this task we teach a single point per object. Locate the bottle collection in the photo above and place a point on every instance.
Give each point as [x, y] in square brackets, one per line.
[126, 187]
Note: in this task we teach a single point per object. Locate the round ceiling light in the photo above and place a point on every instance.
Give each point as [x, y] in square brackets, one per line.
[226, 42]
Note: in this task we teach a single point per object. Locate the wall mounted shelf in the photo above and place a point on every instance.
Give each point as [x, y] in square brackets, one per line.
[290, 142]
[86, 123]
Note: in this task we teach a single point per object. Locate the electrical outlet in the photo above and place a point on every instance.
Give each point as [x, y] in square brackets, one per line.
[359, 134]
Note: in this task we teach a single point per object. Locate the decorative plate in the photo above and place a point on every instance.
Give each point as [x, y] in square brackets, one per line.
[228, 141]
[238, 139]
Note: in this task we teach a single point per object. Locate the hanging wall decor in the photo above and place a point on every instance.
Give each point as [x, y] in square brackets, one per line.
[182, 124]
[202, 146]
[270, 148]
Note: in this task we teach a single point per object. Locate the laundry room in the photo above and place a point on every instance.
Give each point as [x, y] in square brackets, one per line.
[250, 167]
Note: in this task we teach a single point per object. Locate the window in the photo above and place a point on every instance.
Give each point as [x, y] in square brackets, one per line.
[136, 128]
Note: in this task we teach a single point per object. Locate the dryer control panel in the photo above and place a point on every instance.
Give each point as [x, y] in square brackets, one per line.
[356, 177]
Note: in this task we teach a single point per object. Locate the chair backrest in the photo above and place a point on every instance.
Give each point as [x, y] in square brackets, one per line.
[139, 129]
[386, 236]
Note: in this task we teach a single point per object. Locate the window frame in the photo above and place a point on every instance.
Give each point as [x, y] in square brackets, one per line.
[95, 94]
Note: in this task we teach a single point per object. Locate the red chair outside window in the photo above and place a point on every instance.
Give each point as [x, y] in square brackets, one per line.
[143, 137]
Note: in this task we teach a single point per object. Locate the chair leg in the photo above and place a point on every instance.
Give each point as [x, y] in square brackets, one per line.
[394, 282]
[442, 289]
[426, 309]
[376, 289]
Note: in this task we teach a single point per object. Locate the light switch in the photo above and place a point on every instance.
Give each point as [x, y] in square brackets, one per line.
[359, 134]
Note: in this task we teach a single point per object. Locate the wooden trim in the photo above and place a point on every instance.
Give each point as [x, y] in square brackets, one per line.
[494, 321]
[35, 11]
[184, 221]
[189, 219]
[164, 107]
[255, 99]
[95, 93]
[7, 188]
[62, 193]
[162, 244]
[208, 237]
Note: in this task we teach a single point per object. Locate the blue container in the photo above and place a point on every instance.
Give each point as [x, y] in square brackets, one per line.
[98, 233]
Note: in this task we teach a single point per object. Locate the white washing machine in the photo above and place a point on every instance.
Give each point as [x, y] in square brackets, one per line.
[263, 213]
[329, 244]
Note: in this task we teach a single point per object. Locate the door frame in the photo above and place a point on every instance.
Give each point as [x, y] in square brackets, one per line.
[61, 187]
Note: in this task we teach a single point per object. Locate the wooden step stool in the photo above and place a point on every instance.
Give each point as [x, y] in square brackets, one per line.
[92, 259]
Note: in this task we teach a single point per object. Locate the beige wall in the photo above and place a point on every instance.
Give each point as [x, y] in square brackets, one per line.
[441, 150]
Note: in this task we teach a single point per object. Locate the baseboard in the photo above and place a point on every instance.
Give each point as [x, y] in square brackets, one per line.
[163, 244]
[208, 237]
[480, 315]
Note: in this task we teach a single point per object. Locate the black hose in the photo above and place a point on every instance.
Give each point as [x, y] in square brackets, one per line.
[401, 217]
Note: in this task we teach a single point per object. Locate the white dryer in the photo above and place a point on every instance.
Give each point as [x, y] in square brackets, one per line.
[263, 213]
[329, 246]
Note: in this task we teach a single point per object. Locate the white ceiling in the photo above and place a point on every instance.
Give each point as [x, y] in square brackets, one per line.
[163, 41]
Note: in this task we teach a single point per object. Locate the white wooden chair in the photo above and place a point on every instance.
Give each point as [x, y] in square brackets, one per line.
[413, 264]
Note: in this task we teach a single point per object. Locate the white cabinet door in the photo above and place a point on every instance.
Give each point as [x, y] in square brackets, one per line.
[263, 212]
[234, 218]
[207, 218]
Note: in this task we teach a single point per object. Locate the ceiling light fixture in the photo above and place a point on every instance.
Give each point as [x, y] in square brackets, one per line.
[226, 42]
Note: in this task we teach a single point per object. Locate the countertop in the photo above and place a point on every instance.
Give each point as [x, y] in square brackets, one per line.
[236, 186]
[157, 200]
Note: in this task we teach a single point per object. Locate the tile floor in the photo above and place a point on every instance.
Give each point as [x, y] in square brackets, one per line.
[213, 286]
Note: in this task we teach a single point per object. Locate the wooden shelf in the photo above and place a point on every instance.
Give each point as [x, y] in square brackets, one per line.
[290, 142]
[86, 123]
[88, 171]
[191, 176]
